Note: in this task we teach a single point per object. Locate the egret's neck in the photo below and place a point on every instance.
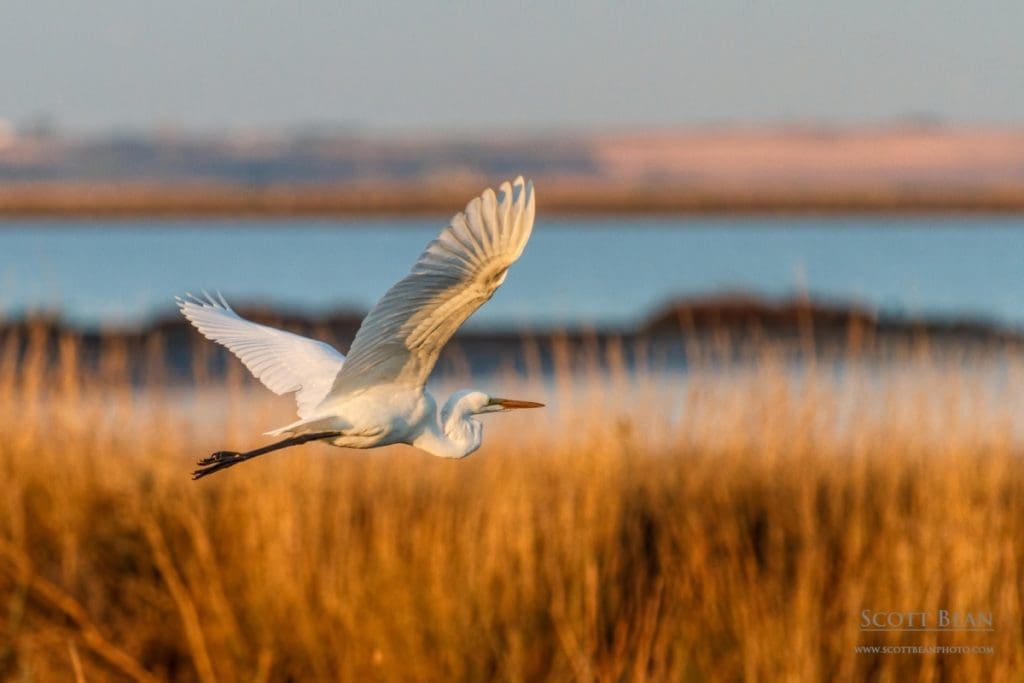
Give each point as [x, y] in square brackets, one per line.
[454, 433]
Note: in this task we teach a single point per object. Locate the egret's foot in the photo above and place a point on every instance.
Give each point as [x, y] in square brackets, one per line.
[217, 462]
[219, 456]
[215, 466]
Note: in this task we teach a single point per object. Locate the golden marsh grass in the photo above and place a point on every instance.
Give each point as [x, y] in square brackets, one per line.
[731, 526]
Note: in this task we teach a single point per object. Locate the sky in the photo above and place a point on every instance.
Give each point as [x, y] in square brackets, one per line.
[214, 65]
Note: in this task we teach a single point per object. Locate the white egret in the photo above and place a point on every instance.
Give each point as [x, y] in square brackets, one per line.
[377, 396]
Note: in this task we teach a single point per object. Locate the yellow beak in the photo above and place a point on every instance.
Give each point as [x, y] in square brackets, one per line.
[511, 404]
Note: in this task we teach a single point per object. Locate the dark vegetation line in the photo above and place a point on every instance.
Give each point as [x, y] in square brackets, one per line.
[687, 331]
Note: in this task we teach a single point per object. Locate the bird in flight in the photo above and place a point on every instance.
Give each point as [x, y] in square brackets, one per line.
[377, 395]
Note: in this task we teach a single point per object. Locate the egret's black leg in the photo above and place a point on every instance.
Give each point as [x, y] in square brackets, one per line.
[221, 460]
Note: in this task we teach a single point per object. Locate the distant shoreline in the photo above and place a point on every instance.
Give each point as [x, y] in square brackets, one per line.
[732, 317]
[557, 198]
[717, 171]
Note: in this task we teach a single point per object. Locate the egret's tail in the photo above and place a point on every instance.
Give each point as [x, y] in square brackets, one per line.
[326, 423]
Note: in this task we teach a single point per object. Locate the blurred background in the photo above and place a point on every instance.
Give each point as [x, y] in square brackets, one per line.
[773, 300]
[868, 156]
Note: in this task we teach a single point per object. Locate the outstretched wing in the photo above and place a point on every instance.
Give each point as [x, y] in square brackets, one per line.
[283, 361]
[401, 338]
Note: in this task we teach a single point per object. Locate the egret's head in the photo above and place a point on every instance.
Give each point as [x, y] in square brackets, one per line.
[477, 403]
[463, 433]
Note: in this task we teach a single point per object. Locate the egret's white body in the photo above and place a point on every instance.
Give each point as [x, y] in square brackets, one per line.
[377, 396]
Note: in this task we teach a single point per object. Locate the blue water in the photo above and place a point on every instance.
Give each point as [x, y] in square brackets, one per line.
[600, 271]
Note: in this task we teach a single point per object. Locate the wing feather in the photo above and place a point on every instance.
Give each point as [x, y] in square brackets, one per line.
[401, 338]
[283, 361]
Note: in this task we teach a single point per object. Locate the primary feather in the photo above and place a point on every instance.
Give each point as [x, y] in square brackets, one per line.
[401, 338]
[283, 361]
